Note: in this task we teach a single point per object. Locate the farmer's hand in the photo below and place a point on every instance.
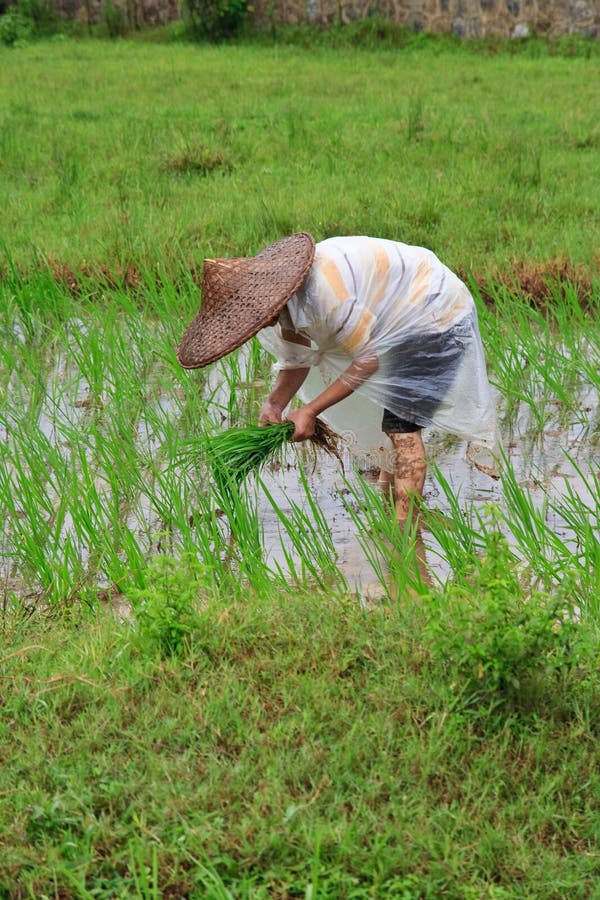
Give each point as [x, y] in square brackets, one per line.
[304, 420]
[270, 413]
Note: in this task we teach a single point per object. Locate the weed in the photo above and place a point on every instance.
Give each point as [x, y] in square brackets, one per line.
[494, 640]
[197, 159]
[168, 609]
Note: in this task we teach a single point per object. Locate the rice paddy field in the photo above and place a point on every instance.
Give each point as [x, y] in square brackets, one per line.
[266, 689]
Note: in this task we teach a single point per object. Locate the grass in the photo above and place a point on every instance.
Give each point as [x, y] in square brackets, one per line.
[249, 727]
[219, 150]
[287, 743]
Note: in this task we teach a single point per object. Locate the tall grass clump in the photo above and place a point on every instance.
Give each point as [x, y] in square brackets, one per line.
[499, 642]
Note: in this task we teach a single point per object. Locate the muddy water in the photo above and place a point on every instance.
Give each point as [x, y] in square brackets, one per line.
[539, 460]
[543, 464]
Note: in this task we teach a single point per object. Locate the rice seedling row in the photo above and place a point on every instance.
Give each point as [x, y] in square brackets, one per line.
[97, 417]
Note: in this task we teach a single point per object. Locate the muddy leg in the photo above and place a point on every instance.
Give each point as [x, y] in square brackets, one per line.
[385, 483]
[410, 469]
[408, 478]
[407, 481]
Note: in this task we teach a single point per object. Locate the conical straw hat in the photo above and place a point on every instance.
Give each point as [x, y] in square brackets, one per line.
[240, 296]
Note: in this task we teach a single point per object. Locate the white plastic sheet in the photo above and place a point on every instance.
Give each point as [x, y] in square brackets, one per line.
[367, 297]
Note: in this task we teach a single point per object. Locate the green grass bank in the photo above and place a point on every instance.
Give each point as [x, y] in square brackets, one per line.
[293, 746]
[135, 154]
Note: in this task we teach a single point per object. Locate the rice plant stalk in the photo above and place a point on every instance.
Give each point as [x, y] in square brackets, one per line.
[236, 453]
[458, 532]
[390, 549]
[310, 536]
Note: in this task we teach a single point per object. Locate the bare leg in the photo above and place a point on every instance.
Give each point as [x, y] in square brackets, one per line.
[386, 484]
[404, 484]
[410, 468]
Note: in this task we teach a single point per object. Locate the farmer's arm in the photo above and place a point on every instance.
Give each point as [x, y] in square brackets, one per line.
[287, 383]
[342, 387]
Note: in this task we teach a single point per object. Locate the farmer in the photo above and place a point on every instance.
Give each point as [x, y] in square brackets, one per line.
[382, 320]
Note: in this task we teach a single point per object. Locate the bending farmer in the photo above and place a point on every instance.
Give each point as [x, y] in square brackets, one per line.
[380, 319]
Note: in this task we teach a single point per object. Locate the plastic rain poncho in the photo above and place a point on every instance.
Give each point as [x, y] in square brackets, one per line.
[367, 297]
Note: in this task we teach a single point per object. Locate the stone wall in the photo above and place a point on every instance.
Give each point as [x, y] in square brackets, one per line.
[135, 12]
[465, 18]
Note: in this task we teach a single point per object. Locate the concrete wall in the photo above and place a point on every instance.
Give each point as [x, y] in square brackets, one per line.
[465, 18]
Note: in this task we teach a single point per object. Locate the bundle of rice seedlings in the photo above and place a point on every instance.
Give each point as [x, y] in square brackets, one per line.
[236, 453]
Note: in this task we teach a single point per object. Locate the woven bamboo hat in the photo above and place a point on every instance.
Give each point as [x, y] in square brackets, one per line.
[240, 296]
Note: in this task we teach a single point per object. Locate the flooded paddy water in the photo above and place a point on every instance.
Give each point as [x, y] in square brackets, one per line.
[546, 465]
[95, 412]
[560, 458]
